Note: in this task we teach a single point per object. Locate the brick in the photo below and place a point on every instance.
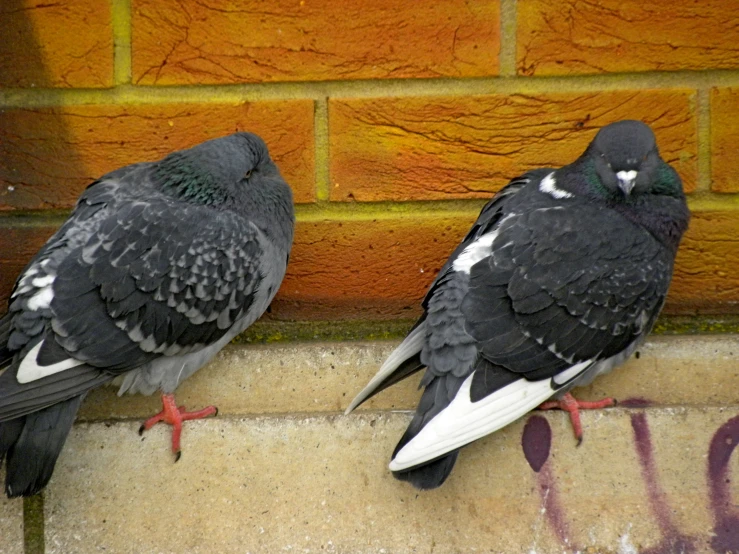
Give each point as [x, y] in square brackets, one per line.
[567, 37]
[382, 268]
[365, 268]
[11, 526]
[312, 40]
[56, 44]
[435, 148]
[18, 244]
[639, 482]
[253, 380]
[705, 279]
[49, 155]
[724, 138]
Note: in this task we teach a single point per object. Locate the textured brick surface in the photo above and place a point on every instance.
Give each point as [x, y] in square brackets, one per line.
[49, 155]
[56, 44]
[638, 483]
[365, 268]
[563, 37]
[337, 269]
[468, 146]
[383, 267]
[324, 377]
[17, 246]
[705, 277]
[724, 140]
[312, 40]
[11, 526]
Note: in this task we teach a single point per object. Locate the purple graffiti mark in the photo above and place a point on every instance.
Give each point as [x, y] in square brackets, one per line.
[673, 541]
[537, 443]
[635, 402]
[726, 519]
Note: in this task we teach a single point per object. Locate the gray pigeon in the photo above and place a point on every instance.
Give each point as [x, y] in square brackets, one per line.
[559, 280]
[159, 266]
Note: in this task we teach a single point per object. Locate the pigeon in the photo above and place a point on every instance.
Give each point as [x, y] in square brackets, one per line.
[158, 267]
[559, 280]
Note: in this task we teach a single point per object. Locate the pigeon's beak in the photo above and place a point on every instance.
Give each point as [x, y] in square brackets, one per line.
[626, 180]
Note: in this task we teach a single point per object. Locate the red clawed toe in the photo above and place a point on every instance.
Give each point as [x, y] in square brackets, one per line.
[571, 405]
[174, 415]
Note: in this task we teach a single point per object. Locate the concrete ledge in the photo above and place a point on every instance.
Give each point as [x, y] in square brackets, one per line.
[11, 526]
[281, 470]
[640, 481]
[324, 377]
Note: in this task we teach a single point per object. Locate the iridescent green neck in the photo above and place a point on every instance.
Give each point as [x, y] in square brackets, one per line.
[593, 180]
[667, 182]
[183, 179]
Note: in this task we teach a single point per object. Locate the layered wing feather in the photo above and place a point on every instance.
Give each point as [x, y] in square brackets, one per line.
[130, 277]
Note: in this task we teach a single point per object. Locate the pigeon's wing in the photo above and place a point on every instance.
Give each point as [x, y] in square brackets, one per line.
[489, 217]
[551, 294]
[29, 316]
[579, 284]
[405, 360]
[157, 278]
[151, 278]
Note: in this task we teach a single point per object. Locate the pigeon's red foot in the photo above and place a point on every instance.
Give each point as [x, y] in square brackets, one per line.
[573, 406]
[174, 415]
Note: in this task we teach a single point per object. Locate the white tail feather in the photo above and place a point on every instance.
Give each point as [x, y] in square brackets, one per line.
[464, 421]
[411, 346]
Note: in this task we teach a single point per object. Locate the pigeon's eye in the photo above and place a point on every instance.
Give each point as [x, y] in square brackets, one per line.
[247, 174]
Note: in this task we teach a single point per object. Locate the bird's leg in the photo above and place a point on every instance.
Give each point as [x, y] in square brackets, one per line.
[571, 405]
[174, 415]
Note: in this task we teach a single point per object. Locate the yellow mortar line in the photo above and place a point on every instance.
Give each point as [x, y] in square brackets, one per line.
[121, 20]
[703, 112]
[368, 211]
[132, 94]
[320, 143]
[507, 38]
[364, 211]
[711, 202]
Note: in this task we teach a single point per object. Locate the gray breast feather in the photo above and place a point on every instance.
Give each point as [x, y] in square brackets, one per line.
[166, 373]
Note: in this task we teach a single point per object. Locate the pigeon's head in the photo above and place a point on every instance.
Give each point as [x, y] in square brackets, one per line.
[232, 173]
[625, 157]
[214, 171]
[238, 161]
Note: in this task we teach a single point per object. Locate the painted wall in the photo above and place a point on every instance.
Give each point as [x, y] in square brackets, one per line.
[393, 121]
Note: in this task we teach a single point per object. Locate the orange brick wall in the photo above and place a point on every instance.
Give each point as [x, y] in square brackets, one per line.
[392, 121]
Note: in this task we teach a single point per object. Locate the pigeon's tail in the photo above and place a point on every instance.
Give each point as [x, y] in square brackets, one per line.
[430, 475]
[403, 362]
[35, 419]
[30, 446]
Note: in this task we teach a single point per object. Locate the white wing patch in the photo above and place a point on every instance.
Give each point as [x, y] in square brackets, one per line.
[44, 294]
[41, 300]
[475, 252]
[29, 370]
[464, 421]
[548, 186]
